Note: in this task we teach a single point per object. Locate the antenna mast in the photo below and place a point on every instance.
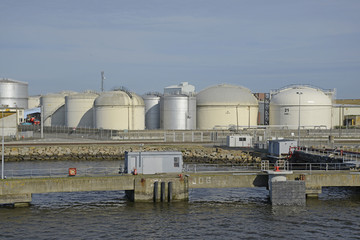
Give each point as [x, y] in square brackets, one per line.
[102, 81]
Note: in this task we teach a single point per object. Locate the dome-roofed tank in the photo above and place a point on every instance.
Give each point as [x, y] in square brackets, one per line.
[178, 112]
[225, 106]
[13, 93]
[54, 108]
[314, 104]
[79, 109]
[119, 110]
[152, 110]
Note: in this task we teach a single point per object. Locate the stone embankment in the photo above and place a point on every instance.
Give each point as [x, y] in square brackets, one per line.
[194, 154]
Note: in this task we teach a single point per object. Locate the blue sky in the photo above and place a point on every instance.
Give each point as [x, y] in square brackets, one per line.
[146, 45]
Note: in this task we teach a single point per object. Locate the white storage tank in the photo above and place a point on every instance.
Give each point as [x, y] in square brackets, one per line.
[152, 110]
[119, 110]
[54, 109]
[33, 101]
[313, 104]
[79, 109]
[178, 112]
[226, 106]
[13, 93]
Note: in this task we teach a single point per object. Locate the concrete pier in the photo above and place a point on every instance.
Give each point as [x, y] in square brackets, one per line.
[156, 189]
[174, 187]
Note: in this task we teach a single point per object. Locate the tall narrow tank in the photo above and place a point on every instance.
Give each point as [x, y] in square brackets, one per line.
[119, 110]
[226, 106]
[79, 109]
[152, 110]
[33, 101]
[13, 93]
[178, 112]
[54, 108]
[295, 105]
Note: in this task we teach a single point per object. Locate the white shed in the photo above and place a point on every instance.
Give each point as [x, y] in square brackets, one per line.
[281, 146]
[239, 141]
[153, 162]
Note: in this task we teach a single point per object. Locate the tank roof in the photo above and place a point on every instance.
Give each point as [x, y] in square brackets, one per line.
[8, 80]
[307, 95]
[118, 98]
[225, 94]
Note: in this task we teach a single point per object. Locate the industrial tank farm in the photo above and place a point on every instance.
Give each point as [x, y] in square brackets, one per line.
[79, 109]
[306, 106]
[13, 93]
[224, 106]
[119, 110]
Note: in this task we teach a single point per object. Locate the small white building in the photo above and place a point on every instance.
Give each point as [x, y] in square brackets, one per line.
[182, 88]
[281, 147]
[239, 141]
[153, 162]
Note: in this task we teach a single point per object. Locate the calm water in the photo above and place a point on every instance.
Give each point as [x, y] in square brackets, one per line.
[210, 214]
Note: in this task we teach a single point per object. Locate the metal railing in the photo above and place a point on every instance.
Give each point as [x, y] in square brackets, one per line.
[188, 168]
[287, 166]
[194, 168]
[61, 172]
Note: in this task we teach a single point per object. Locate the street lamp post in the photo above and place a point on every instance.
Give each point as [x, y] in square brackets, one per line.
[2, 145]
[299, 93]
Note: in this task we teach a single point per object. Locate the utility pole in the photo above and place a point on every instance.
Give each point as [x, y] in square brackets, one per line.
[2, 145]
[102, 81]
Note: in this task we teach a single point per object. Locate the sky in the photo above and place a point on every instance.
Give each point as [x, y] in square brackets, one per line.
[146, 45]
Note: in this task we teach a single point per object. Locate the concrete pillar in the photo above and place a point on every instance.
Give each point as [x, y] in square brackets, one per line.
[144, 189]
[18, 200]
[283, 192]
[313, 192]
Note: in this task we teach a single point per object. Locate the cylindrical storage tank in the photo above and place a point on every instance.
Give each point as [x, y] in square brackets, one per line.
[33, 101]
[13, 93]
[312, 106]
[152, 111]
[178, 112]
[119, 110]
[79, 109]
[226, 106]
[54, 108]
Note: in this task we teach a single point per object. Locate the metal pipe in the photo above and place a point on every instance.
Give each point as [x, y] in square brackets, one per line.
[299, 93]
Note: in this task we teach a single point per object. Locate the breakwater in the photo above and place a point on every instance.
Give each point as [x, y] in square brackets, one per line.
[191, 153]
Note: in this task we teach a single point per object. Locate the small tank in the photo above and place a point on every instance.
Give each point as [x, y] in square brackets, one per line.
[13, 93]
[152, 110]
[178, 112]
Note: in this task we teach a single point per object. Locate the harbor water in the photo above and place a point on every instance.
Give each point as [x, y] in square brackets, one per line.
[209, 214]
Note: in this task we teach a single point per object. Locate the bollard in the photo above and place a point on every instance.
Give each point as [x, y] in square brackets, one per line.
[156, 187]
[162, 195]
[170, 189]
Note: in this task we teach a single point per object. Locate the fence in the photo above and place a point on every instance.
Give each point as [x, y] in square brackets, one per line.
[308, 137]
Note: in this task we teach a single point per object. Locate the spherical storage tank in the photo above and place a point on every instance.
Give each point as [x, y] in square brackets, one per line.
[315, 107]
[54, 108]
[13, 93]
[225, 106]
[152, 110]
[79, 109]
[178, 112]
[119, 110]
